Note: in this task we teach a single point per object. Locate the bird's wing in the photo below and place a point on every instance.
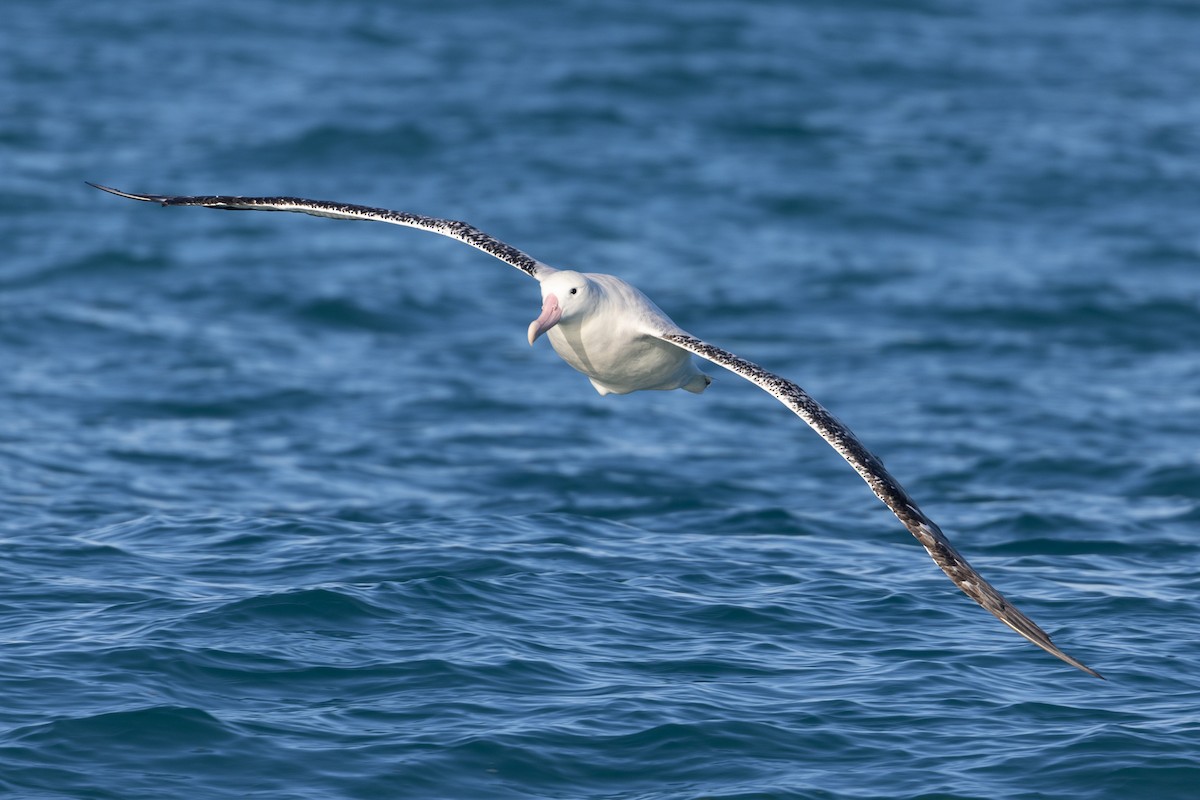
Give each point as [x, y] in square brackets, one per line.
[885, 487]
[324, 208]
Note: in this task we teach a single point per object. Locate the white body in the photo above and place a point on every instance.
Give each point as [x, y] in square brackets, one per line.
[610, 331]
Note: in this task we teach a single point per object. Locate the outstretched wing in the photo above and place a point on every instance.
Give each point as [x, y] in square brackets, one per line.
[885, 487]
[324, 208]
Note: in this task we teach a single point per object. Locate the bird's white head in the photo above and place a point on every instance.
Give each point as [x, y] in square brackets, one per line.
[565, 296]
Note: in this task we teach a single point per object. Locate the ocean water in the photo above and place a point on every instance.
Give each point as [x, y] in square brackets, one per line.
[290, 509]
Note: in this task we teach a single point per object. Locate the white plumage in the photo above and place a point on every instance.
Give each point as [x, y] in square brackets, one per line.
[611, 332]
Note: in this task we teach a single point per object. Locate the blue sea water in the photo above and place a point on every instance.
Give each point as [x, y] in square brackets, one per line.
[290, 509]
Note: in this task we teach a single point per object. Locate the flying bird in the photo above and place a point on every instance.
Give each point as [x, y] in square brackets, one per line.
[612, 333]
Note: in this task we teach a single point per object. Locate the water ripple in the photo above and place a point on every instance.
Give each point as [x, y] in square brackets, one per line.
[292, 510]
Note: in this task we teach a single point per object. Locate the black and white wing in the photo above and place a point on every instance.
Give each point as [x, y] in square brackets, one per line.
[324, 208]
[885, 487]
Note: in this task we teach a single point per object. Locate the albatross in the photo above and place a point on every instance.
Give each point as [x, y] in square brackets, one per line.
[608, 330]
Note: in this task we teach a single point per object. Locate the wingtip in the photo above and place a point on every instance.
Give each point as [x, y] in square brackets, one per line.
[1029, 630]
[104, 188]
[149, 198]
[1081, 666]
[1051, 648]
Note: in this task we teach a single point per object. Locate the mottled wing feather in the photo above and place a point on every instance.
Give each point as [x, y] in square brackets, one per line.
[323, 208]
[884, 486]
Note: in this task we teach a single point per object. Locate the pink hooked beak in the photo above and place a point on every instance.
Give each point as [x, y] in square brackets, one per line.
[551, 314]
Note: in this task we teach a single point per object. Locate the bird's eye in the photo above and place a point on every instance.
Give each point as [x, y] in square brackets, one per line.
[574, 291]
